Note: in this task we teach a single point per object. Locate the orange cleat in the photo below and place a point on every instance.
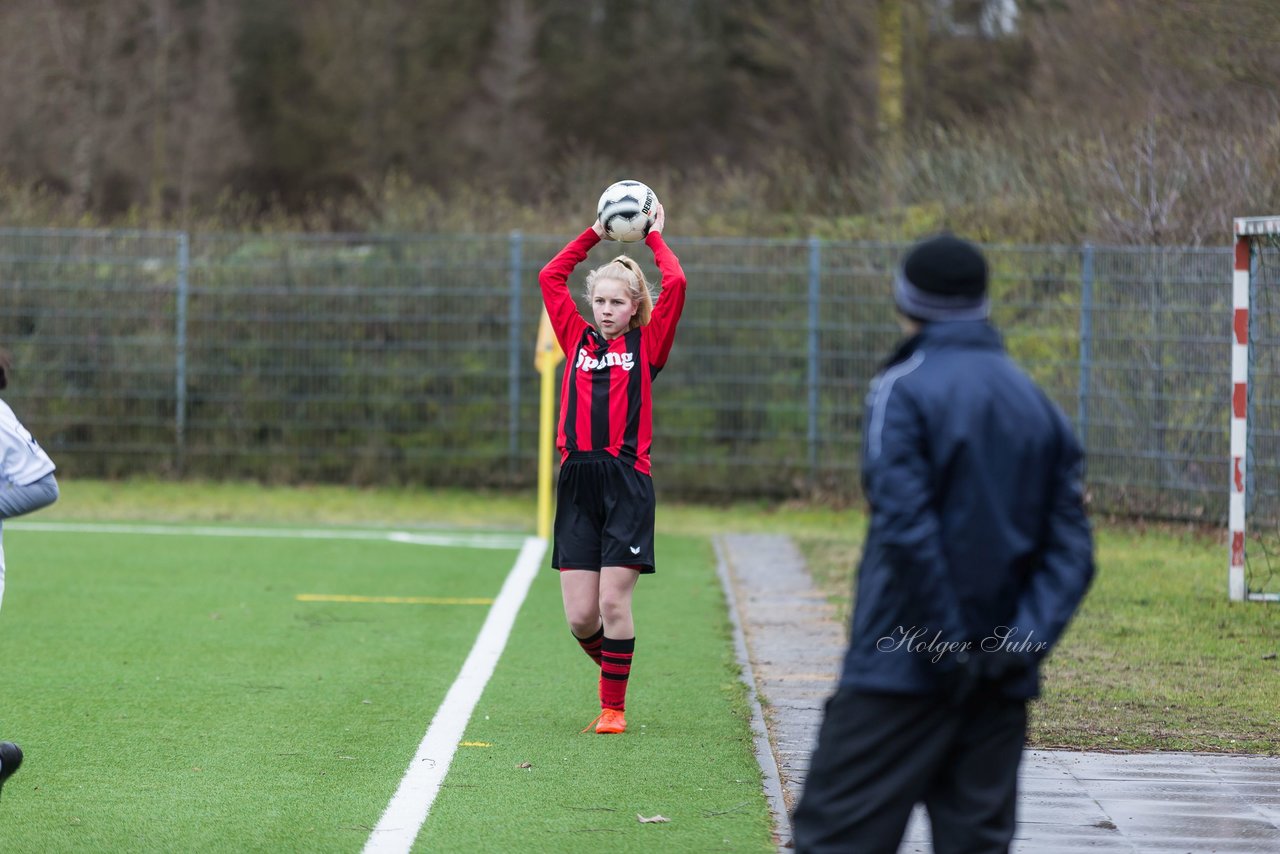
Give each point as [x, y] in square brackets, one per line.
[611, 721]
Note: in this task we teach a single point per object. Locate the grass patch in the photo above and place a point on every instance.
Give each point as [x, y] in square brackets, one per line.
[200, 501]
[1157, 658]
[145, 499]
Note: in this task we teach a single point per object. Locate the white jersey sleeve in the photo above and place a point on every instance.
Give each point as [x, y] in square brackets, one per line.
[22, 460]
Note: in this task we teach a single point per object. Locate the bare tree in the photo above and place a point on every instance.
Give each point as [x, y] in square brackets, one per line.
[804, 83]
[21, 120]
[78, 90]
[209, 144]
[501, 125]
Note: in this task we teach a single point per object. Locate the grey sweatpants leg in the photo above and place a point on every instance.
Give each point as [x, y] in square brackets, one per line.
[17, 500]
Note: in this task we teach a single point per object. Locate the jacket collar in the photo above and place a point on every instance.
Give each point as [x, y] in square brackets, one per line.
[963, 334]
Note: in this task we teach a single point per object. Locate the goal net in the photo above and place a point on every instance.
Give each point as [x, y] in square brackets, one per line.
[1254, 509]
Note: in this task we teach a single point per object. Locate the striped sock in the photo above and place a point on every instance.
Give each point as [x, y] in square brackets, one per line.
[615, 668]
[591, 645]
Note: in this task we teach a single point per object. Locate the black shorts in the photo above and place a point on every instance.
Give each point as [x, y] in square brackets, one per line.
[604, 514]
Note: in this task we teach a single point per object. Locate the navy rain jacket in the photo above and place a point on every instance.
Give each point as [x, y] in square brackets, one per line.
[978, 543]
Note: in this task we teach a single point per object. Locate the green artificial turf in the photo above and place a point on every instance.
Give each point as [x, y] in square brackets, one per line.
[171, 693]
[539, 784]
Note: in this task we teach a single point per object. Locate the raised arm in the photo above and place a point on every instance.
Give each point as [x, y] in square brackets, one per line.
[563, 311]
[670, 304]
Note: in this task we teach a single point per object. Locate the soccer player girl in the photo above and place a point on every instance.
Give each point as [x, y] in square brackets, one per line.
[26, 483]
[603, 538]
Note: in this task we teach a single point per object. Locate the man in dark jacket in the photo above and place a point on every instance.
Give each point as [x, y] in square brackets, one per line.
[977, 554]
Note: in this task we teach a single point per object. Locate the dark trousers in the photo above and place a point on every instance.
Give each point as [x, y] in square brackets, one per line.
[879, 755]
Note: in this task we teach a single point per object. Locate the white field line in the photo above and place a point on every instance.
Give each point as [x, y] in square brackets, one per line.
[405, 815]
[417, 538]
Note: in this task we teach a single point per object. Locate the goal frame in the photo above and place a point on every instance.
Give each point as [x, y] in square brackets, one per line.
[1249, 232]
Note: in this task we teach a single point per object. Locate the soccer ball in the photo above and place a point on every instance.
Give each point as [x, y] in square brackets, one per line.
[626, 211]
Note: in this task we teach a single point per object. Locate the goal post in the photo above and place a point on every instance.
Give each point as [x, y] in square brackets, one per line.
[1251, 235]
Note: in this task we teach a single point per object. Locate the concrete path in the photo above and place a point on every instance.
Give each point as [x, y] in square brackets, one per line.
[1069, 801]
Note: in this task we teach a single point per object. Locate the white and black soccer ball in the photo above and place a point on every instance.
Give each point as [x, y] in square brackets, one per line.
[626, 211]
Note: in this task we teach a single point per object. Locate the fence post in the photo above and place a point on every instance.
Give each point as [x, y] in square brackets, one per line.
[815, 294]
[180, 345]
[513, 357]
[1086, 345]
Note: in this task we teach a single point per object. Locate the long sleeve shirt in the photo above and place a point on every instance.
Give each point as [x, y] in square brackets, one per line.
[606, 400]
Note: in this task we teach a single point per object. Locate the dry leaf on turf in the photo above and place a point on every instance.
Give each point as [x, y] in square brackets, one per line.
[655, 820]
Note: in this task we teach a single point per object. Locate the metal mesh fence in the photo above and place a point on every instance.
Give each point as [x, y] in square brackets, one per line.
[1158, 380]
[1262, 490]
[409, 359]
[372, 361]
[90, 318]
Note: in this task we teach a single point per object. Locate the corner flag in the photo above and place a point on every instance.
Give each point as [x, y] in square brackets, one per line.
[547, 355]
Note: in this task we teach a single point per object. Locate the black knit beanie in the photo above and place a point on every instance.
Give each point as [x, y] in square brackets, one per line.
[942, 278]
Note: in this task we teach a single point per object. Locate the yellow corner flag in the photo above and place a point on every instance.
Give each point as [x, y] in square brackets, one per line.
[546, 357]
[548, 347]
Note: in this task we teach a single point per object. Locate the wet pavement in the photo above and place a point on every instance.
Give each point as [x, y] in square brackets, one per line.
[791, 648]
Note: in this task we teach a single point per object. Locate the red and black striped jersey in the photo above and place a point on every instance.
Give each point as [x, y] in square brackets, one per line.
[606, 401]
